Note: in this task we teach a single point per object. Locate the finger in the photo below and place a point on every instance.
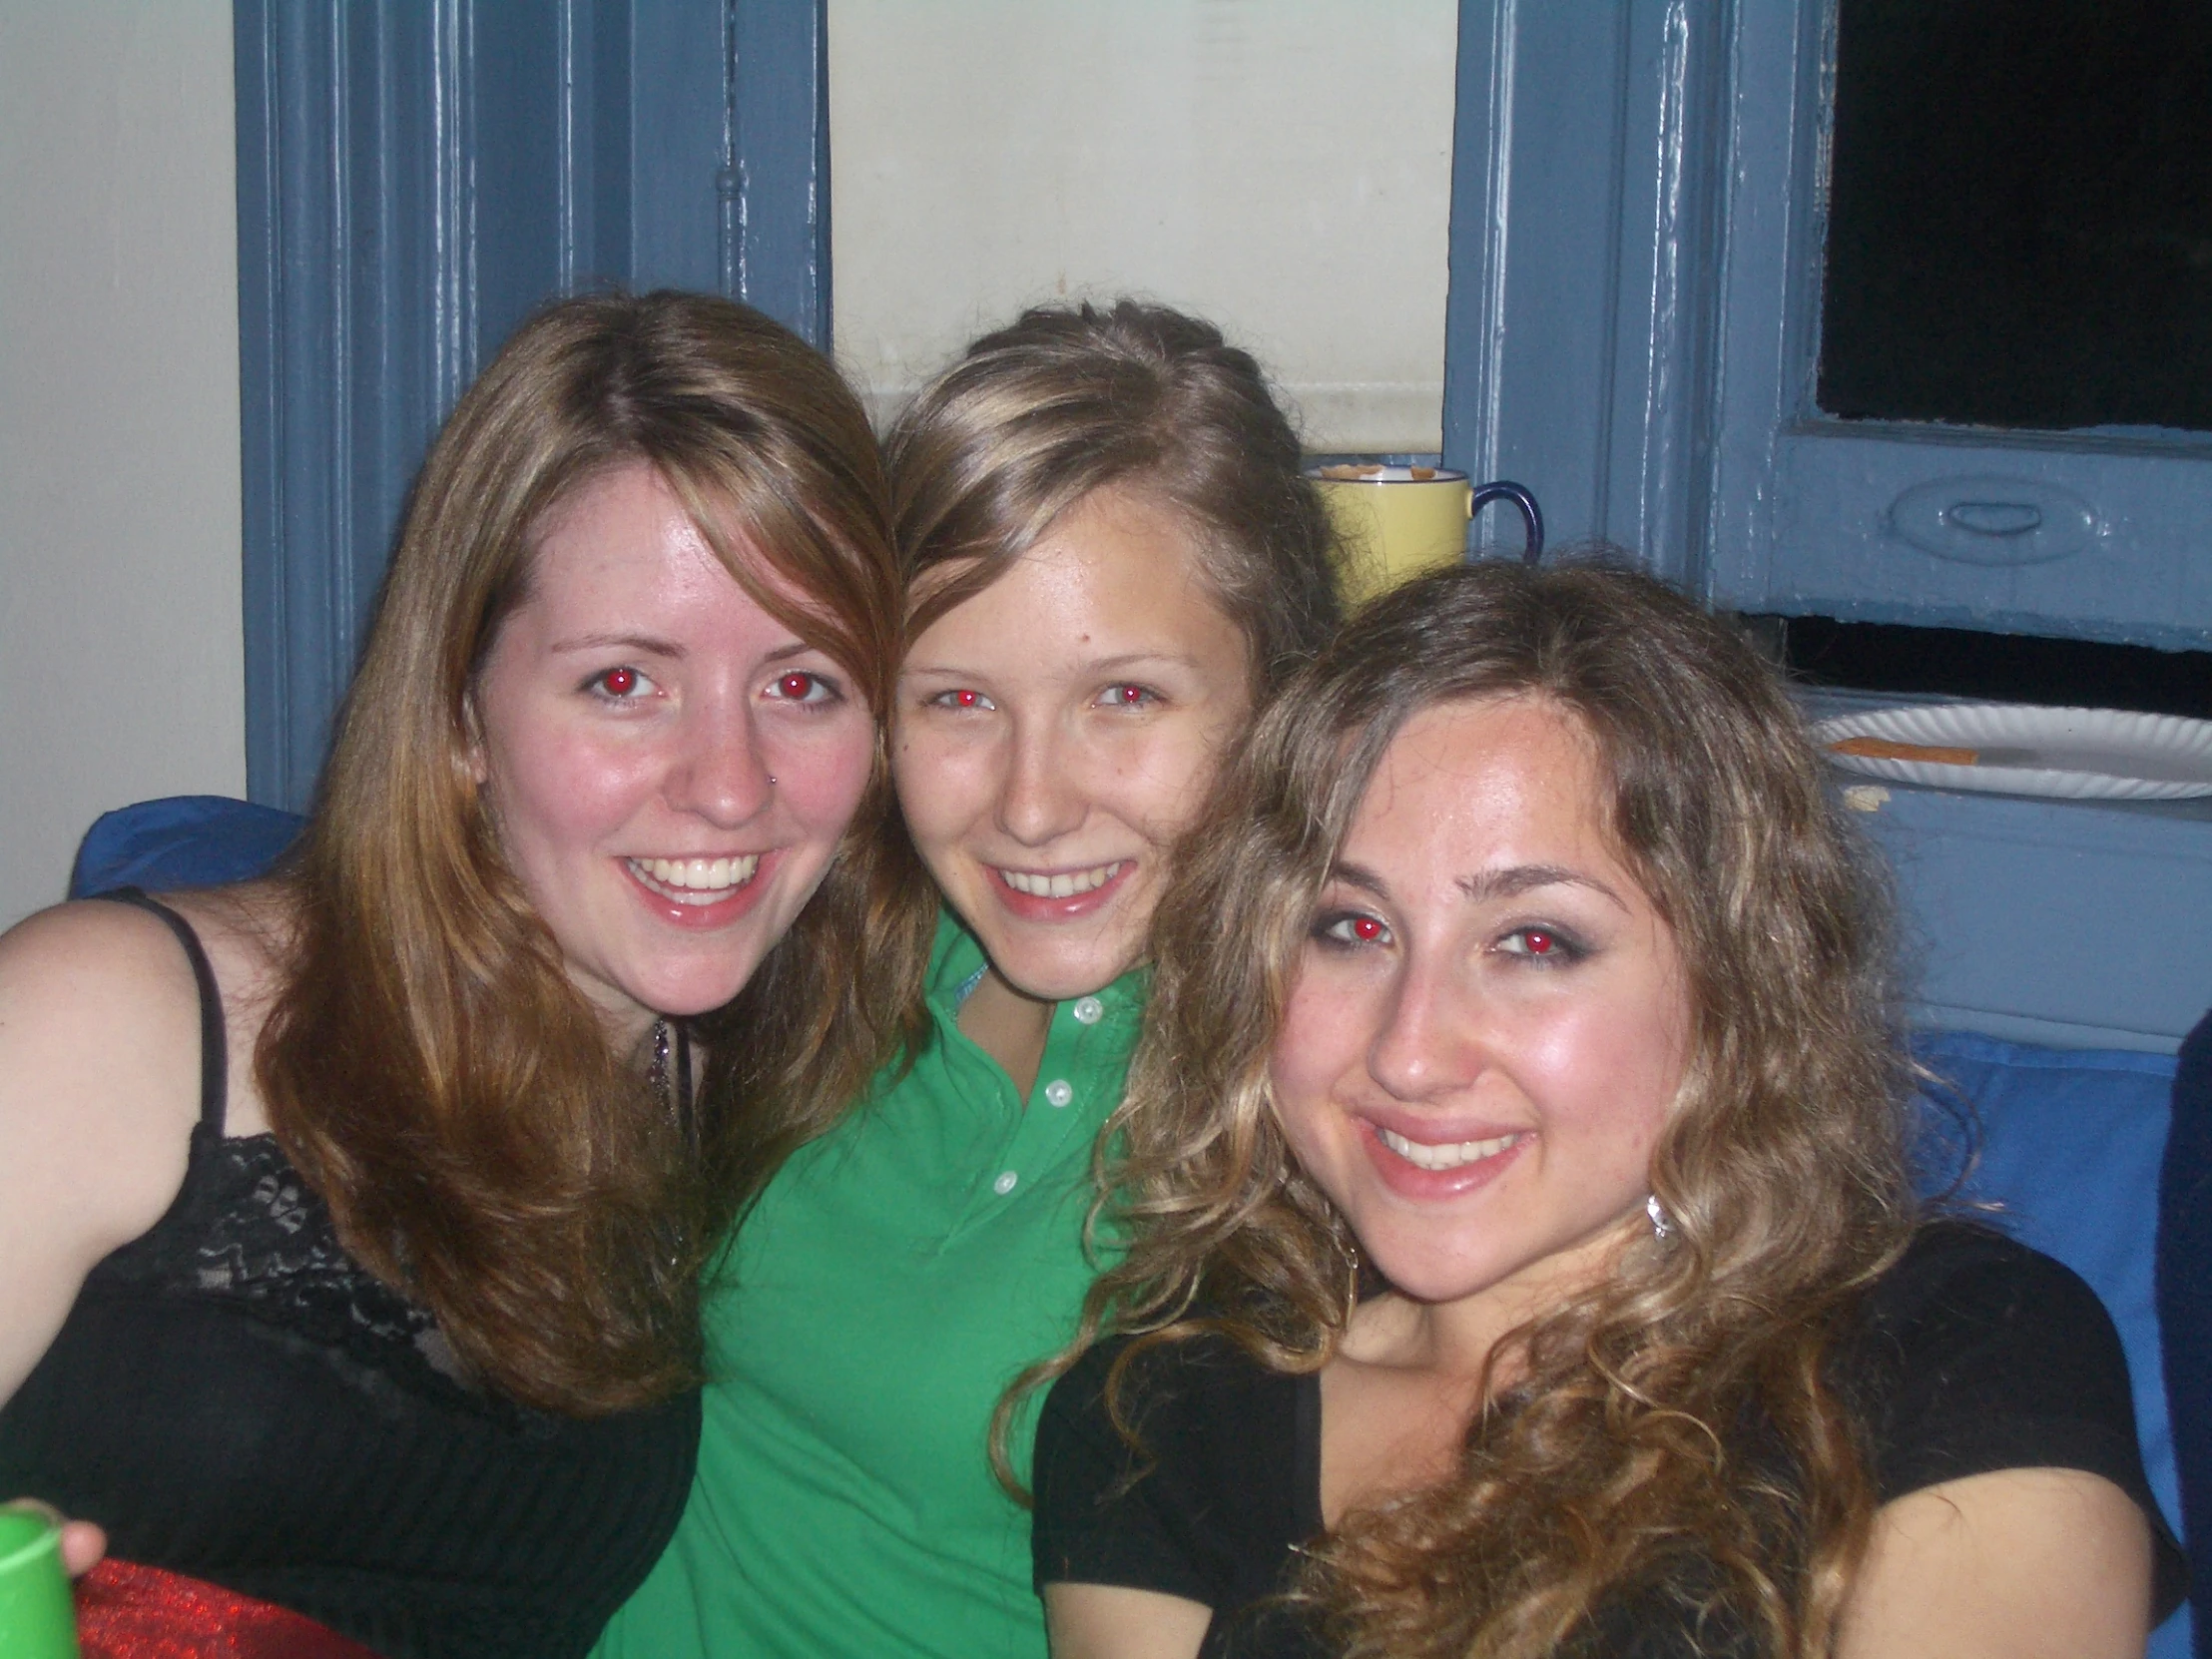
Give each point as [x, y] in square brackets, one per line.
[81, 1546]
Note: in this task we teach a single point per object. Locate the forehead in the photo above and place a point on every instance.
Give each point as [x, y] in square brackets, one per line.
[1511, 778]
[625, 532]
[1119, 570]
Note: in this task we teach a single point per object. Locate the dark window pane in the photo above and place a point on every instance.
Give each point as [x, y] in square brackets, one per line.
[2002, 668]
[2021, 214]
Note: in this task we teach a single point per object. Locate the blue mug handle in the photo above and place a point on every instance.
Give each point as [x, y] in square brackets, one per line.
[1531, 515]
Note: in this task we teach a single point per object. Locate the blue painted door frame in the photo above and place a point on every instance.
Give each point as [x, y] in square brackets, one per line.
[414, 177]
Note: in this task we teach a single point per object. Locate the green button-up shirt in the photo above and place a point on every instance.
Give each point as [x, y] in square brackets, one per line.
[895, 1276]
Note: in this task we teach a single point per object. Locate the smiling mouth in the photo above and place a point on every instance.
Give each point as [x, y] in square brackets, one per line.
[1067, 883]
[695, 880]
[1454, 1155]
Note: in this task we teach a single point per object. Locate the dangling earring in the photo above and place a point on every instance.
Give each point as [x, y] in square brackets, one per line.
[1662, 1224]
[1352, 1282]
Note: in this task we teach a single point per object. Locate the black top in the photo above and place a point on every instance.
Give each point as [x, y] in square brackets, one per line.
[1975, 1353]
[233, 1397]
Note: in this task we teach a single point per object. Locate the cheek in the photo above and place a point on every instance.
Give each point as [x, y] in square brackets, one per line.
[1164, 779]
[548, 784]
[1616, 1070]
[1322, 1041]
[822, 779]
[943, 785]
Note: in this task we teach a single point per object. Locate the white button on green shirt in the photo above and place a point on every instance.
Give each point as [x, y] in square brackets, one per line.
[893, 1279]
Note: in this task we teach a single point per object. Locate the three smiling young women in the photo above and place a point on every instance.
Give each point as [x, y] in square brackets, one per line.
[354, 1222]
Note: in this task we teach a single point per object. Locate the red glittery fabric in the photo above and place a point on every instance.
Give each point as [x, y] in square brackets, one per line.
[125, 1612]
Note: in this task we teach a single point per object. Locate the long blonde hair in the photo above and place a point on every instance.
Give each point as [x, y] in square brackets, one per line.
[1624, 1457]
[428, 1063]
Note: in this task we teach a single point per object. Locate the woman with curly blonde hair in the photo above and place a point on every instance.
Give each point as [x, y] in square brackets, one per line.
[1523, 1257]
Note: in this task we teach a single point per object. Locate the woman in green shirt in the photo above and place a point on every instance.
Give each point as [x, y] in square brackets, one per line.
[1111, 556]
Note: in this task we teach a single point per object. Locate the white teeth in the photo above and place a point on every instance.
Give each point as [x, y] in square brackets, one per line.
[1444, 1156]
[1064, 885]
[696, 881]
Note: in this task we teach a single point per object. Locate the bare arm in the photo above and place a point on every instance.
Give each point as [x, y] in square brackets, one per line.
[2016, 1564]
[99, 1089]
[1109, 1622]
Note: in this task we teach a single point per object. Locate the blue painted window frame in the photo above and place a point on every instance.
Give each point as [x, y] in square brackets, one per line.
[1632, 330]
[1871, 519]
[413, 179]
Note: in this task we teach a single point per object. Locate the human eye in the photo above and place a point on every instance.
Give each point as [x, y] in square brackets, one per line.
[1351, 930]
[805, 687]
[622, 684]
[958, 697]
[1542, 942]
[1127, 696]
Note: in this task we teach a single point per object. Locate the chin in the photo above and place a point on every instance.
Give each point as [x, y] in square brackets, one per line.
[1057, 979]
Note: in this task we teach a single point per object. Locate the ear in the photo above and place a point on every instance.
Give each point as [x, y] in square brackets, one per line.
[471, 753]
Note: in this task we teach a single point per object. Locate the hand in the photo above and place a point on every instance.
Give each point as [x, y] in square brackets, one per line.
[83, 1543]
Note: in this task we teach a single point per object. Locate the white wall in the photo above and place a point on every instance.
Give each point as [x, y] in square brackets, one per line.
[1281, 166]
[121, 655]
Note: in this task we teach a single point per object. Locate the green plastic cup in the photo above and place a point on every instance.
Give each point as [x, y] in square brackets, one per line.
[38, 1617]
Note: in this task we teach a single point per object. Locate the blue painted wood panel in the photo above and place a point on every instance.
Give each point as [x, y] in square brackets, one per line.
[1583, 256]
[413, 179]
[1813, 515]
[2058, 922]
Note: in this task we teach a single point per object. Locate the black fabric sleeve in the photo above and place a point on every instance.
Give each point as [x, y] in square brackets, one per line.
[1100, 1518]
[1979, 1354]
[1205, 1508]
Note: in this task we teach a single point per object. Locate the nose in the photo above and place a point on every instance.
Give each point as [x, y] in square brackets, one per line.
[1427, 1044]
[719, 770]
[1041, 796]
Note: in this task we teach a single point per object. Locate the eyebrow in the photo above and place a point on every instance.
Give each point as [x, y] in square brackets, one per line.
[1508, 882]
[653, 646]
[650, 644]
[1097, 665]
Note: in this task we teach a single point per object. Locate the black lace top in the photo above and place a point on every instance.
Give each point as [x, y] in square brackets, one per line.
[232, 1398]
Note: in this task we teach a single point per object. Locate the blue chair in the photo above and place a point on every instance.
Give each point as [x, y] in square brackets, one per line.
[182, 840]
[2185, 1298]
[2071, 1143]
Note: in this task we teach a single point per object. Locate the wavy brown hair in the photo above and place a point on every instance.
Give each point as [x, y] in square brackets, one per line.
[1674, 1428]
[428, 1063]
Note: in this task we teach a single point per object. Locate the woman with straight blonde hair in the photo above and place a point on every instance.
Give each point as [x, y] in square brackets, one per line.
[1522, 1252]
[1111, 556]
[353, 1219]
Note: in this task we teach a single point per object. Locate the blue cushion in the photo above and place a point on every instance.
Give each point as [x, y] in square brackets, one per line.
[2070, 1142]
[2185, 1296]
[182, 840]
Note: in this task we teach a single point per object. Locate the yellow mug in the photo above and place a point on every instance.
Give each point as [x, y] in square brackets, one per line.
[1394, 523]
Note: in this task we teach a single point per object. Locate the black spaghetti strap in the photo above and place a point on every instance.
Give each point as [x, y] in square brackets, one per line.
[215, 1068]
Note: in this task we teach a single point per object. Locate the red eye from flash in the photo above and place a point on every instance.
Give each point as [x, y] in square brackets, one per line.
[796, 685]
[1132, 694]
[621, 682]
[1367, 928]
[967, 698]
[1539, 941]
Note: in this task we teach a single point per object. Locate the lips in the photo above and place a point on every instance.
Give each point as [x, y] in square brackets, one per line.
[1067, 894]
[1432, 1168]
[698, 893]
[695, 880]
[1066, 884]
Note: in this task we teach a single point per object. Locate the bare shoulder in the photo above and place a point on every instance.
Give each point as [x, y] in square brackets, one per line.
[99, 1090]
[2012, 1564]
[99, 1043]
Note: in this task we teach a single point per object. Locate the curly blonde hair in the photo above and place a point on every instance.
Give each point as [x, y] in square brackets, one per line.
[1673, 1430]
